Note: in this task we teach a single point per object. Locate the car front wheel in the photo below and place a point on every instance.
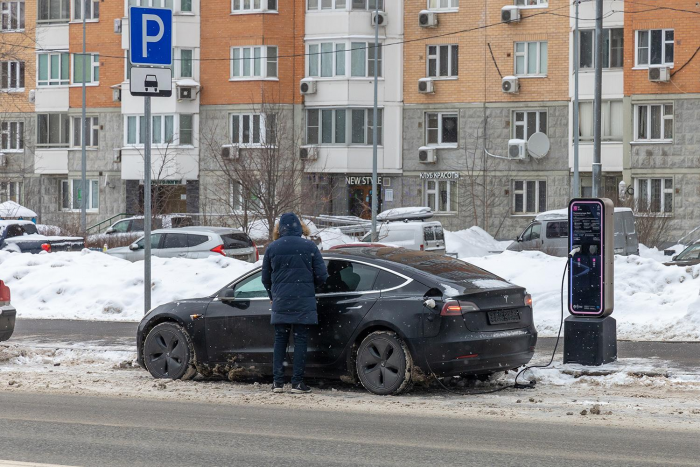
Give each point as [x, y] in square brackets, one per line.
[384, 363]
[168, 352]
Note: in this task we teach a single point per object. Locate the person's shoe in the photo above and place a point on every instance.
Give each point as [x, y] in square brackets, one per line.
[300, 388]
[277, 387]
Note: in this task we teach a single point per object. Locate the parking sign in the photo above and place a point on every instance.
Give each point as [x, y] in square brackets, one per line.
[151, 36]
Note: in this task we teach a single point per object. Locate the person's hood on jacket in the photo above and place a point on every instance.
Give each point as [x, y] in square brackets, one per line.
[289, 225]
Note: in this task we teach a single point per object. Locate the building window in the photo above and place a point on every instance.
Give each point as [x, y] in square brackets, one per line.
[253, 62]
[253, 129]
[12, 76]
[326, 5]
[653, 195]
[654, 122]
[72, 195]
[367, 4]
[329, 59]
[185, 61]
[253, 6]
[655, 47]
[53, 11]
[531, 2]
[11, 191]
[528, 122]
[342, 126]
[441, 129]
[54, 69]
[152, 3]
[12, 136]
[53, 130]
[529, 196]
[91, 128]
[92, 73]
[186, 130]
[91, 9]
[166, 130]
[12, 15]
[613, 48]
[443, 4]
[530, 58]
[443, 61]
[611, 121]
[441, 195]
[186, 6]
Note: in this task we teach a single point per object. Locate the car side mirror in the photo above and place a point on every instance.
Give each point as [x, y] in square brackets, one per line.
[228, 293]
[110, 231]
[519, 239]
[134, 246]
[674, 258]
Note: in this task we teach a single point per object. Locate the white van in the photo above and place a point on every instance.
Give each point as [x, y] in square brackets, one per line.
[421, 236]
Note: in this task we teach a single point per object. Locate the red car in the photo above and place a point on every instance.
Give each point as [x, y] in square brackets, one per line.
[7, 313]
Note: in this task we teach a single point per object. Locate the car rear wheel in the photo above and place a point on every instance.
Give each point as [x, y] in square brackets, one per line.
[384, 364]
[168, 352]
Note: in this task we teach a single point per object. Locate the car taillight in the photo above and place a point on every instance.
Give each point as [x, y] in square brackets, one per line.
[46, 247]
[528, 300]
[454, 308]
[422, 248]
[219, 249]
[4, 293]
[257, 253]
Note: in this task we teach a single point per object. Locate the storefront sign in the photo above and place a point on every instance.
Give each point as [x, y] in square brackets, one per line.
[439, 175]
[361, 180]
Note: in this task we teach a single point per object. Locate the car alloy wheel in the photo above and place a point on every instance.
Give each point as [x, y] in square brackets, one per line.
[167, 352]
[384, 363]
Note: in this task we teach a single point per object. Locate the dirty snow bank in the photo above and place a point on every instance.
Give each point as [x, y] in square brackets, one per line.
[652, 301]
[95, 286]
[474, 241]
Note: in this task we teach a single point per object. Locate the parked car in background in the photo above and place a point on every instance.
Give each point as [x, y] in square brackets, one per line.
[549, 233]
[192, 242]
[135, 224]
[688, 257]
[362, 245]
[7, 313]
[23, 237]
[382, 313]
[414, 235]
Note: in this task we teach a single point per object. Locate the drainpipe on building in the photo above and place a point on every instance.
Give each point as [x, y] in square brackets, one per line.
[83, 159]
[597, 165]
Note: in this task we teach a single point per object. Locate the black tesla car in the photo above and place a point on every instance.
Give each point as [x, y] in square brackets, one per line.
[385, 314]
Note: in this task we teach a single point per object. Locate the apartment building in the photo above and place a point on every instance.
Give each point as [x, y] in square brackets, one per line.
[476, 89]
[338, 88]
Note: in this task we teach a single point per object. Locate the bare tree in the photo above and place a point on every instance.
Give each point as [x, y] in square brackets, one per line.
[652, 225]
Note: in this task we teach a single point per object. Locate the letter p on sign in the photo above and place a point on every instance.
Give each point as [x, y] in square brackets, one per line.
[150, 36]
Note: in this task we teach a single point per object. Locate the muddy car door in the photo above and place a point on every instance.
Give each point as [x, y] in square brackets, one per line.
[237, 324]
[343, 301]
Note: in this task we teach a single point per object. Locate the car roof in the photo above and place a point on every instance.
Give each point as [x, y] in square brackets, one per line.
[5, 223]
[218, 230]
[410, 224]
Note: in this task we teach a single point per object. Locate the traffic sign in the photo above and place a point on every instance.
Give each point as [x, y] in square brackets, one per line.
[151, 82]
[151, 36]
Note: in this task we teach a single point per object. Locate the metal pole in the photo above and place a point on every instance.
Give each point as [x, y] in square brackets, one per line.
[577, 176]
[374, 125]
[84, 191]
[597, 165]
[147, 207]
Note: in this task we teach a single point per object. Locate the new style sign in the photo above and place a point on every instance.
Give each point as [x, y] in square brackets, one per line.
[151, 36]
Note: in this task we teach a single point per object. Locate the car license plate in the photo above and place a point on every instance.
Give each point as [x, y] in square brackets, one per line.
[504, 316]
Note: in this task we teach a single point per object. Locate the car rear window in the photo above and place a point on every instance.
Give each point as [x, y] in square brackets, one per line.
[438, 265]
[429, 234]
[439, 233]
[386, 280]
[195, 240]
[557, 230]
[236, 240]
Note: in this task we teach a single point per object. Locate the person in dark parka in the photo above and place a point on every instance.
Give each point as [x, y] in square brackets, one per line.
[292, 269]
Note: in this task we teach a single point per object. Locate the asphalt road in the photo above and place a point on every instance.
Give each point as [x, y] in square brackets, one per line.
[682, 355]
[71, 430]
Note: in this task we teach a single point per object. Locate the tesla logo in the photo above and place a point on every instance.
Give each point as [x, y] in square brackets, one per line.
[506, 297]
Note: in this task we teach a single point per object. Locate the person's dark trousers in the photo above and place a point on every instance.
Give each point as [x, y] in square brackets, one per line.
[301, 334]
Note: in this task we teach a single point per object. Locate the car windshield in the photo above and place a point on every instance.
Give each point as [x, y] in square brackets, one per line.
[18, 230]
[690, 253]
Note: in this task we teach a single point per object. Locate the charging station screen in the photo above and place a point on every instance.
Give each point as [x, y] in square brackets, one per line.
[586, 273]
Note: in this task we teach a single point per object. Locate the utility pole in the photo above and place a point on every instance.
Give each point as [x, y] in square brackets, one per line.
[375, 201]
[597, 127]
[577, 176]
[84, 191]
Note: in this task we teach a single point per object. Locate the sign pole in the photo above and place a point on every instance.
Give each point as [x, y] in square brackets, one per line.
[147, 206]
[375, 201]
[83, 153]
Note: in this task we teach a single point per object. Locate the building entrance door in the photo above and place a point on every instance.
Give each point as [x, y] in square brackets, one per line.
[361, 201]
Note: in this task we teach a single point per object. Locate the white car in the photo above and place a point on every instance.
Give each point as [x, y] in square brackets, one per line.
[421, 236]
[192, 242]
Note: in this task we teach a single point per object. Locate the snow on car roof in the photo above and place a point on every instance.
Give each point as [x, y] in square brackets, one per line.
[5, 223]
[415, 212]
[564, 214]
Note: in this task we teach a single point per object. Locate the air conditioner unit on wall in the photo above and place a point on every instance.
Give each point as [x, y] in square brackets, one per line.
[659, 74]
[117, 155]
[427, 155]
[308, 154]
[118, 26]
[517, 149]
[426, 86]
[307, 86]
[230, 152]
[510, 14]
[427, 19]
[510, 85]
[32, 96]
[186, 93]
[116, 94]
[382, 17]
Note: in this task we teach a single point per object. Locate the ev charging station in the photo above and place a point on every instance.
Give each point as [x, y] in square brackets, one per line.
[590, 333]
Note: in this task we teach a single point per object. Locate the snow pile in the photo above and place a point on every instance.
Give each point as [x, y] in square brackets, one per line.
[471, 242]
[96, 286]
[652, 301]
